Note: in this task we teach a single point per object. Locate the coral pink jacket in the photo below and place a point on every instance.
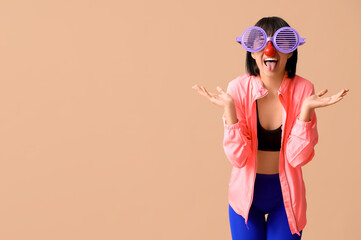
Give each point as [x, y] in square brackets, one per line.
[297, 145]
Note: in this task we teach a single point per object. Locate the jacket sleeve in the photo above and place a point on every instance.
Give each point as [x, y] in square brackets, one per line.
[302, 139]
[237, 140]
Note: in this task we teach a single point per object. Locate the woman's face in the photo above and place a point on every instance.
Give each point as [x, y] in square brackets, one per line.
[271, 64]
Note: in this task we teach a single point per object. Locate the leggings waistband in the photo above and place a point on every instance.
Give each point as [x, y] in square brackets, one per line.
[267, 176]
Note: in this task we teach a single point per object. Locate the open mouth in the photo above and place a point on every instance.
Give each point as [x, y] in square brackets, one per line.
[270, 63]
[267, 60]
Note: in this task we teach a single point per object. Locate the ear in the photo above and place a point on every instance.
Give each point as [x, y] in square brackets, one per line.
[252, 54]
[290, 55]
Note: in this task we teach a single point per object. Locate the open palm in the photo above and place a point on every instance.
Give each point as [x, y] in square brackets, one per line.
[316, 100]
[222, 99]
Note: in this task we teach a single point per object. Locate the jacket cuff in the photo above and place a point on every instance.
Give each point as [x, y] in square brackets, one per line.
[302, 129]
[236, 125]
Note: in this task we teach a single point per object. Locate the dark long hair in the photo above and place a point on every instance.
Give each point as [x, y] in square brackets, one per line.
[271, 25]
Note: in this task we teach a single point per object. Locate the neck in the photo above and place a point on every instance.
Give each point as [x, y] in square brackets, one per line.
[272, 83]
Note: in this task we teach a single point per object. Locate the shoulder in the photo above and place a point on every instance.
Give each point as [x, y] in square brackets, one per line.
[238, 86]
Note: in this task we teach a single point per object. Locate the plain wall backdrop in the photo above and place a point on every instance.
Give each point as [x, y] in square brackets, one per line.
[102, 136]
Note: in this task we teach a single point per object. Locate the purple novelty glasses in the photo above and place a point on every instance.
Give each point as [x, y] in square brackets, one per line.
[285, 39]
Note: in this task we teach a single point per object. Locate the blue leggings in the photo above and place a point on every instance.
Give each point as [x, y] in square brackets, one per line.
[267, 199]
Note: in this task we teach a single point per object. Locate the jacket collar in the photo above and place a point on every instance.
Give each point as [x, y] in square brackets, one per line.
[259, 89]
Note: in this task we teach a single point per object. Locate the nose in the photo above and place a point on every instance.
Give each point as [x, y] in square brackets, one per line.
[269, 50]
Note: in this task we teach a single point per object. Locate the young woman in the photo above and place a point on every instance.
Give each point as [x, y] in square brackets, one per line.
[270, 130]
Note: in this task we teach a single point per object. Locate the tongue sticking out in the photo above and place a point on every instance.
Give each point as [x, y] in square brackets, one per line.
[271, 65]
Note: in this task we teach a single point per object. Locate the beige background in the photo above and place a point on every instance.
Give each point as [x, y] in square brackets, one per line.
[102, 137]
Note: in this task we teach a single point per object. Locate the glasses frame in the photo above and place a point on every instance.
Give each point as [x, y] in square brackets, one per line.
[300, 41]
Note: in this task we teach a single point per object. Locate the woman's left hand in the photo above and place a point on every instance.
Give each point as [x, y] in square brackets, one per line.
[316, 100]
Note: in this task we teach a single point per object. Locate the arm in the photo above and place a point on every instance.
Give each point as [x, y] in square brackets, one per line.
[237, 140]
[303, 137]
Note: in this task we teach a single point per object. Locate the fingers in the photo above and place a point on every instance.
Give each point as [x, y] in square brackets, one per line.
[322, 92]
[336, 98]
[341, 93]
[207, 93]
[199, 89]
[344, 92]
[220, 90]
[202, 91]
[195, 87]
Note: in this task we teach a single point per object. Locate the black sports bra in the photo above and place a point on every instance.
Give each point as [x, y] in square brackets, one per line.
[268, 140]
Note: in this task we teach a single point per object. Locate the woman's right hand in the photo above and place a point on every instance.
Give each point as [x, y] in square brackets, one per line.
[222, 99]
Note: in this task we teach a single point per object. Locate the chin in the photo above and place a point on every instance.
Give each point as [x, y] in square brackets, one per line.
[271, 74]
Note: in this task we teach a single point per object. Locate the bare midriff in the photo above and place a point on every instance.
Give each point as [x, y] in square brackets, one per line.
[268, 162]
[270, 117]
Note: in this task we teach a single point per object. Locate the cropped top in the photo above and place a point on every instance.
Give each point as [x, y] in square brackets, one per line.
[268, 140]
